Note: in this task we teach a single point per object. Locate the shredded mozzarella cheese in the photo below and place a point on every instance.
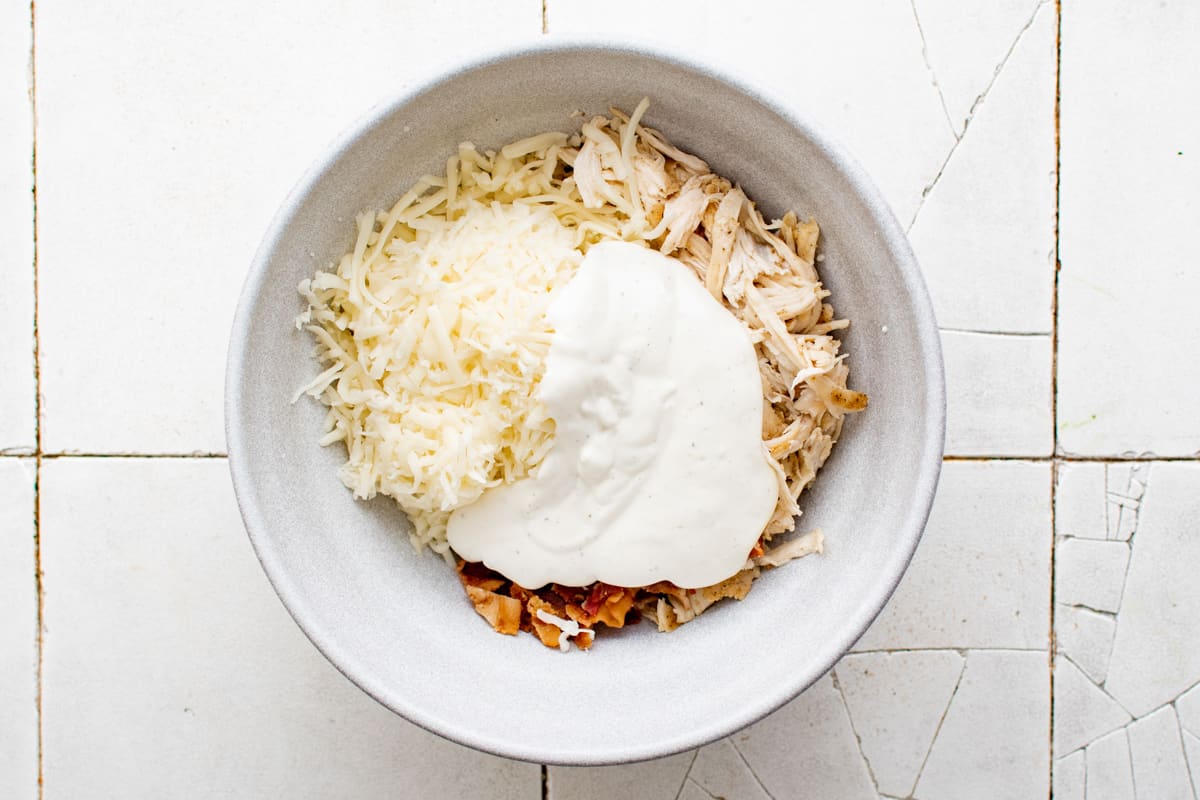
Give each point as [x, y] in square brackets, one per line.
[436, 338]
[569, 628]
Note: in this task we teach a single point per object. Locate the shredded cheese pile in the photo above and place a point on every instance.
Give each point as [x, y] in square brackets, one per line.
[435, 333]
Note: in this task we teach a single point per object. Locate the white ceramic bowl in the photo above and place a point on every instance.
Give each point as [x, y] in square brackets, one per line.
[397, 623]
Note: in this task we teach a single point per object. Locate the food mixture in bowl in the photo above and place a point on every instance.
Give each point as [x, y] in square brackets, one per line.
[590, 372]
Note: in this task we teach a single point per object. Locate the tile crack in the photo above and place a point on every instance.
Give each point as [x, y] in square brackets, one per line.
[1193, 777]
[1129, 752]
[932, 73]
[983, 332]
[701, 787]
[1110, 614]
[753, 774]
[857, 738]
[1004, 62]
[1100, 686]
[687, 774]
[974, 107]
[937, 731]
[1143, 478]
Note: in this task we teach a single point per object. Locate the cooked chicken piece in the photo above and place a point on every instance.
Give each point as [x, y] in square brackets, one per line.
[699, 247]
[792, 437]
[654, 214]
[664, 616]
[654, 182]
[736, 587]
[682, 214]
[656, 140]
[786, 509]
[755, 224]
[778, 340]
[807, 234]
[773, 424]
[809, 543]
[838, 399]
[721, 235]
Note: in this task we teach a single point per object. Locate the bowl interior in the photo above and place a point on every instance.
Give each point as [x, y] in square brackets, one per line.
[397, 623]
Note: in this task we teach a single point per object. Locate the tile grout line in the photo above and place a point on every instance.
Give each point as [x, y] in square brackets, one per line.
[959, 650]
[39, 588]
[1057, 460]
[193, 455]
[1066, 459]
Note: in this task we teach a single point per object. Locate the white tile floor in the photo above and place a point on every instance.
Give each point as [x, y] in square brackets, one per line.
[166, 135]
[17, 392]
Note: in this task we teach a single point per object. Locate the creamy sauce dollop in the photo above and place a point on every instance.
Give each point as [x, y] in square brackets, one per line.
[657, 471]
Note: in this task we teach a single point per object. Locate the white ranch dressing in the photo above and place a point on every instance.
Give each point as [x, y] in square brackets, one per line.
[657, 471]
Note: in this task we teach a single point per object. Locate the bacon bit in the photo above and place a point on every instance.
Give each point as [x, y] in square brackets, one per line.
[479, 576]
[546, 632]
[502, 613]
[520, 593]
[757, 550]
[599, 592]
[614, 608]
[578, 614]
[569, 594]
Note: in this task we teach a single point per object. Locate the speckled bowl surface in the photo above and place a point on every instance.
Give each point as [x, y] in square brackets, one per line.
[397, 623]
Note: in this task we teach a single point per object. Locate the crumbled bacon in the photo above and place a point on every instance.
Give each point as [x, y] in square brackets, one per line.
[502, 613]
[547, 632]
[600, 591]
[474, 574]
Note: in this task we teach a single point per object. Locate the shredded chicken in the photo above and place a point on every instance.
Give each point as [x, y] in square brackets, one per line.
[617, 179]
[765, 274]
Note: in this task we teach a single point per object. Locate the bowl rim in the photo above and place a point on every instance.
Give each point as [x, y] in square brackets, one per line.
[908, 530]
